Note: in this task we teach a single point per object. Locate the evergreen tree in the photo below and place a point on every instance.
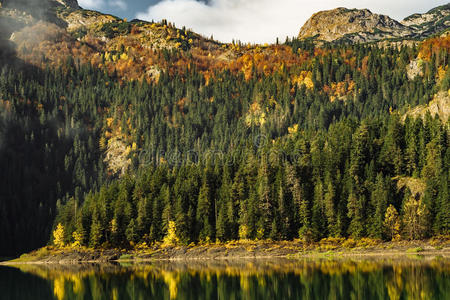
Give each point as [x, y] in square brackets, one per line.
[205, 213]
[379, 200]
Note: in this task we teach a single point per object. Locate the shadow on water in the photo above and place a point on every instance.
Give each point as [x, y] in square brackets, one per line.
[405, 278]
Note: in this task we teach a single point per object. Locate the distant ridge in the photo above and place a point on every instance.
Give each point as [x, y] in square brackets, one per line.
[361, 25]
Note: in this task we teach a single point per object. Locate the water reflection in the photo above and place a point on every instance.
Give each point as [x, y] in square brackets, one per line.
[248, 279]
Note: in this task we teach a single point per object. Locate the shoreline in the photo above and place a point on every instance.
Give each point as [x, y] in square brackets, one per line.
[234, 251]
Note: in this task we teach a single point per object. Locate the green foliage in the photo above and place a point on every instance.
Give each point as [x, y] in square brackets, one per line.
[415, 250]
[331, 176]
[125, 257]
[113, 29]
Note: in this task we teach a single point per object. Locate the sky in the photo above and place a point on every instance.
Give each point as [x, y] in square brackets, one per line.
[254, 21]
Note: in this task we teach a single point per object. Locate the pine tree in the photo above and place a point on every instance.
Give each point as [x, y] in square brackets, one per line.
[226, 226]
[330, 211]
[96, 233]
[318, 212]
[265, 205]
[442, 220]
[131, 232]
[379, 200]
[359, 154]
[205, 213]
[355, 208]
[143, 214]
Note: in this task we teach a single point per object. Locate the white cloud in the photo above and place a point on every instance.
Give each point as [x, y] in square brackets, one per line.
[264, 20]
[91, 4]
[120, 4]
[103, 4]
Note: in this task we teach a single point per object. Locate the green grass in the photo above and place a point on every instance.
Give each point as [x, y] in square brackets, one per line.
[33, 256]
[415, 250]
[125, 257]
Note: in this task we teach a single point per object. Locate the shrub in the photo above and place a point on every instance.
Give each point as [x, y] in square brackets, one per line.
[125, 257]
[367, 242]
[349, 243]
[415, 250]
[331, 243]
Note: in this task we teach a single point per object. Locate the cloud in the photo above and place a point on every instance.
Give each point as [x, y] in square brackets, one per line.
[264, 20]
[120, 4]
[91, 4]
[103, 4]
[251, 20]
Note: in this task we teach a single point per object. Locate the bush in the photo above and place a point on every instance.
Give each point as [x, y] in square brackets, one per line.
[349, 243]
[331, 243]
[112, 29]
[125, 257]
[367, 242]
[415, 250]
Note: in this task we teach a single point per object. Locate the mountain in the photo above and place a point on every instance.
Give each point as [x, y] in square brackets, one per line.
[351, 24]
[358, 26]
[20, 13]
[50, 31]
[435, 20]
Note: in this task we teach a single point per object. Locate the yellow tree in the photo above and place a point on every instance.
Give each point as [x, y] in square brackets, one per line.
[415, 218]
[78, 239]
[58, 236]
[171, 238]
[392, 223]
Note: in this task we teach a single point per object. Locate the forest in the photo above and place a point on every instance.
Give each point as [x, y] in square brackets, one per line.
[321, 146]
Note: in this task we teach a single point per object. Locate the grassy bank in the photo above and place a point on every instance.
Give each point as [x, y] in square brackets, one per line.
[239, 249]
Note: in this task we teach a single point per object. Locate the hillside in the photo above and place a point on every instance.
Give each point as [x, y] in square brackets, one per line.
[439, 106]
[122, 134]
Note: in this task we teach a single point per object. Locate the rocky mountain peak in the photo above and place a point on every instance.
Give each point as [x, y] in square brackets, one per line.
[331, 25]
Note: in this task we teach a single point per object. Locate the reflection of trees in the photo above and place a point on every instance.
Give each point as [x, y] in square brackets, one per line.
[394, 283]
[417, 284]
[290, 279]
[171, 279]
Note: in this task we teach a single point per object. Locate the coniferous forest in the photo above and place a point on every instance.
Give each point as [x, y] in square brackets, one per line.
[321, 147]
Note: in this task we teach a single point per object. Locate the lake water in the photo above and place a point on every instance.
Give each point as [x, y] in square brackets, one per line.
[405, 278]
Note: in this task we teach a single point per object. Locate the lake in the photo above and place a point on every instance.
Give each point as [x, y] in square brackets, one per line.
[387, 278]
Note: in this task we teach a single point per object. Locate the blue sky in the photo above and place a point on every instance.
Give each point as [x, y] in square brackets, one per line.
[256, 21]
